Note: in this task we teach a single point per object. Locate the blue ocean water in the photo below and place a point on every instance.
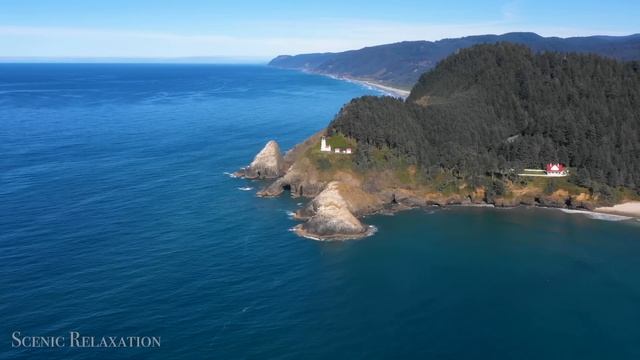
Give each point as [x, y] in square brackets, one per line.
[117, 219]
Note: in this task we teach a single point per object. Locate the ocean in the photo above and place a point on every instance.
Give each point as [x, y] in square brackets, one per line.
[118, 217]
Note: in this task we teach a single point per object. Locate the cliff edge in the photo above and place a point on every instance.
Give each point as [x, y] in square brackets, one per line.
[330, 217]
[267, 164]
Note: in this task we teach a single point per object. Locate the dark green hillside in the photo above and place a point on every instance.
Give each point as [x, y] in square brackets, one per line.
[492, 108]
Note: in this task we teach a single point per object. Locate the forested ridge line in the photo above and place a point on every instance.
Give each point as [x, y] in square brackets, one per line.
[490, 109]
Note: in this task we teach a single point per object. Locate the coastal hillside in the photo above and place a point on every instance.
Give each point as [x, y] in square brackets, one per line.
[489, 111]
[401, 64]
[492, 125]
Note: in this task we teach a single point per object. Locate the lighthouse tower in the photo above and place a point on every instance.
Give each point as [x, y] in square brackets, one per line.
[323, 145]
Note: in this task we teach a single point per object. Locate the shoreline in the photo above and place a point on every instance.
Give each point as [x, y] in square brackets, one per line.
[630, 209]
[395, 92]
[385, 89]
[626, 211]
[372, 229]
[595, 214]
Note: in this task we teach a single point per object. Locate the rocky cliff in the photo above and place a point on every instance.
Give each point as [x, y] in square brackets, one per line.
[268, 164]
[329, 216]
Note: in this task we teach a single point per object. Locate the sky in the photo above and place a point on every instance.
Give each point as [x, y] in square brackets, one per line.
[262, 29]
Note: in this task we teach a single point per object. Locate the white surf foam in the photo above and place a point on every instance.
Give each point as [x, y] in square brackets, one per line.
[370, 231]
[597, 216]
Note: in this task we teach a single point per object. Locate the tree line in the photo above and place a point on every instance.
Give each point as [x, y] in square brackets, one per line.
[493, 108]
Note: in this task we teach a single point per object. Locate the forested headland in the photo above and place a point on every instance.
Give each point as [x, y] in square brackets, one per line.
[490, 110]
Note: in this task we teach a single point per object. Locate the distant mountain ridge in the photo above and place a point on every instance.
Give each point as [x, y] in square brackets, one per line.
[401, 64]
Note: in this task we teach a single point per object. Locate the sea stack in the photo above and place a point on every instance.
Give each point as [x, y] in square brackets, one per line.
[268, 164]
[330, 217]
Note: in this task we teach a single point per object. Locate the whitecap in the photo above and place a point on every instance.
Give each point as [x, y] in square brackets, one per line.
[245, 188]
[231, 175]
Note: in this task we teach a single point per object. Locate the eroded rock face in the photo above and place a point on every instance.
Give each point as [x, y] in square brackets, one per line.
[330, 217]
[268, 164]
[300, 179]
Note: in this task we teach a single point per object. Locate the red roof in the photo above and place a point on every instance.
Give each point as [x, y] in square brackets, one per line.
[555, 167]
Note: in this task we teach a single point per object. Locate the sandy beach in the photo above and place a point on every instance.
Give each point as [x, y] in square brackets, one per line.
[627, 209]
[388, 89]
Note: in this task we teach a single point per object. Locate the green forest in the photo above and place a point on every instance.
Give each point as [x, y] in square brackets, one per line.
[493, 109]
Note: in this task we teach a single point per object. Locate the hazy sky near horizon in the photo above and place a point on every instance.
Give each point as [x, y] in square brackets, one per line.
[263, 29]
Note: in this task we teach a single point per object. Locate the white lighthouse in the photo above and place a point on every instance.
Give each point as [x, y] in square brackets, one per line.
[323, 145]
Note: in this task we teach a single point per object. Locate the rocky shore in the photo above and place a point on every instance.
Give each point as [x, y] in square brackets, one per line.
[329, 216]
[268, 164]
[339, 199]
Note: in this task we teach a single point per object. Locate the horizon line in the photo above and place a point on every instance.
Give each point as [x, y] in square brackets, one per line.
[138, 59]
[252, 59]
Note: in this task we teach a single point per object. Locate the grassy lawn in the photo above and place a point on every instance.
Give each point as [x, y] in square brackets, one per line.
[340, 141]
[330, 161]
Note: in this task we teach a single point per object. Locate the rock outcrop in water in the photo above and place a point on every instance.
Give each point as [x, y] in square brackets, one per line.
[302, 177]
[330, 217]
[333, 212]
[268, 164]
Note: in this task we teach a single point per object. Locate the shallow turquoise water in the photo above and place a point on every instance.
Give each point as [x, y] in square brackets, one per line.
[117, 218]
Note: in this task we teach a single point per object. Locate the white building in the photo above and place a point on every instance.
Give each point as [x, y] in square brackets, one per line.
[556, 170]
[323, 145]
[327, 148]
[551, 170]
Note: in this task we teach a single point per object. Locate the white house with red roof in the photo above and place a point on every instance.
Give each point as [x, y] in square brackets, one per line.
[551, 170]
[555, 170]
